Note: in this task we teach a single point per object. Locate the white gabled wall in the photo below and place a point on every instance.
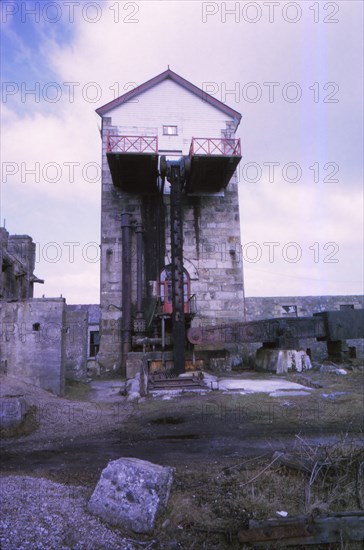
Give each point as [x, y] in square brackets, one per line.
[168, 103]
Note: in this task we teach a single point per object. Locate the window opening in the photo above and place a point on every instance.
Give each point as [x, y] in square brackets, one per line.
[94, 343]
[170, 130]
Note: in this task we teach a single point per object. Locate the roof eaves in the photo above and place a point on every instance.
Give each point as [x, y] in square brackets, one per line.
[132, 93]
[179, 80]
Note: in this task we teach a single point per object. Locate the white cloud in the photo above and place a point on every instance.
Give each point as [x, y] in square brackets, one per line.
[51, 154]
[114, 54]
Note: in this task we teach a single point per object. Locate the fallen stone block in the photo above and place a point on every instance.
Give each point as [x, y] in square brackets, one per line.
[333, 369]
[131, 493]
[341, 372]
[12, 412]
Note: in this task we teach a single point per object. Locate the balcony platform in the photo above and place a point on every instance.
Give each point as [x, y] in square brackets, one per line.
[133, 163]
[213, 163]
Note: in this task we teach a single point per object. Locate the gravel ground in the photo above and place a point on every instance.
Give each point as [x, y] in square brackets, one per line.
[56, 419]
[36, 513]
[39, 514]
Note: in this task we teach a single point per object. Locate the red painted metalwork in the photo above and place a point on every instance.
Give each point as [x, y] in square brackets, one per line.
[132, 144]
[165, 291]
[215, 146]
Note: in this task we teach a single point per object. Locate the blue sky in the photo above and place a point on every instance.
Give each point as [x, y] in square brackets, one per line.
[294, 73]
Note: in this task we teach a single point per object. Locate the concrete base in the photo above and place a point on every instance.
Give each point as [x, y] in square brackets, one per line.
[282, 361]
[134, 364]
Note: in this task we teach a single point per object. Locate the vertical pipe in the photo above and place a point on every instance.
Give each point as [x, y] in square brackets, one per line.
[163, 340]
[139, 233]
[243, 280]
[163, 333]
[126, 288]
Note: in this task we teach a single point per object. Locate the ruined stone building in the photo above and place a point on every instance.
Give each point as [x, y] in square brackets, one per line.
[43, 340]
[167, 119]
[17, 260]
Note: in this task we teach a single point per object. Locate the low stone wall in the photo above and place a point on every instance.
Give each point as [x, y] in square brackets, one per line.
[284, 306]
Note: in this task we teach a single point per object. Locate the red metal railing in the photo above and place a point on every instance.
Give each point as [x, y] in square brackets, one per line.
[132, 144]
[215, 146]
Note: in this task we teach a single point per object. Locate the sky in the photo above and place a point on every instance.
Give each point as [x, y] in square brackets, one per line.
[294, 70]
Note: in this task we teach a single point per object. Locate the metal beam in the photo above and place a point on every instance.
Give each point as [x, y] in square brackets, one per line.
[178, 316]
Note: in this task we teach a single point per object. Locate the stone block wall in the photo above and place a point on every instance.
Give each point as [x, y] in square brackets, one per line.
[212, 257]
[264, 307]
[32, 343]
[75, 346]
[211, 247]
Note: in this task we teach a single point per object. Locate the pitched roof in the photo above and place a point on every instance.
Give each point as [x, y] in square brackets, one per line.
[169, 74]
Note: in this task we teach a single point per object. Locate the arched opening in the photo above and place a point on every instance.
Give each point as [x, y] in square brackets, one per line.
[165, 290]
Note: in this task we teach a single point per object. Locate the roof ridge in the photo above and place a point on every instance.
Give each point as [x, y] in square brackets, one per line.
[169, 74]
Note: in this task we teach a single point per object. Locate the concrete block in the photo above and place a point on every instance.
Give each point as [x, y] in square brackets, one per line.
[131, 493]
[134, 364]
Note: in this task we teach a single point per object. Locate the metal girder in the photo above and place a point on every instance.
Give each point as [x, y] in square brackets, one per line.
[178, 316]
[284, 332]
[279, 331]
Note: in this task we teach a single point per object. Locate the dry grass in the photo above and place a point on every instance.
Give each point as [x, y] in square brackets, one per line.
[215, 495]
[29, 425]
[77, 391]
[209, 504]
[336, 480]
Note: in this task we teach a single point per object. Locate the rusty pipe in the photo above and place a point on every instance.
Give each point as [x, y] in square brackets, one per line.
[139, 230]
[145, 340]
[126, 288]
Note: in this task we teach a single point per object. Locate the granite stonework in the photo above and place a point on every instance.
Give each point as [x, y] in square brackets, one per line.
[212, 257]
[32, 342]
[75, 349]
[43, 342]
[131, 493]
[264, 307]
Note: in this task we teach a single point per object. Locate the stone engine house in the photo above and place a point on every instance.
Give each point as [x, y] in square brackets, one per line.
[172, 292]
[166, 246]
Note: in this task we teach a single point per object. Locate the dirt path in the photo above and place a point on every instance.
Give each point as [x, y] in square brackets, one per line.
[221, 445]
[171, 438]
